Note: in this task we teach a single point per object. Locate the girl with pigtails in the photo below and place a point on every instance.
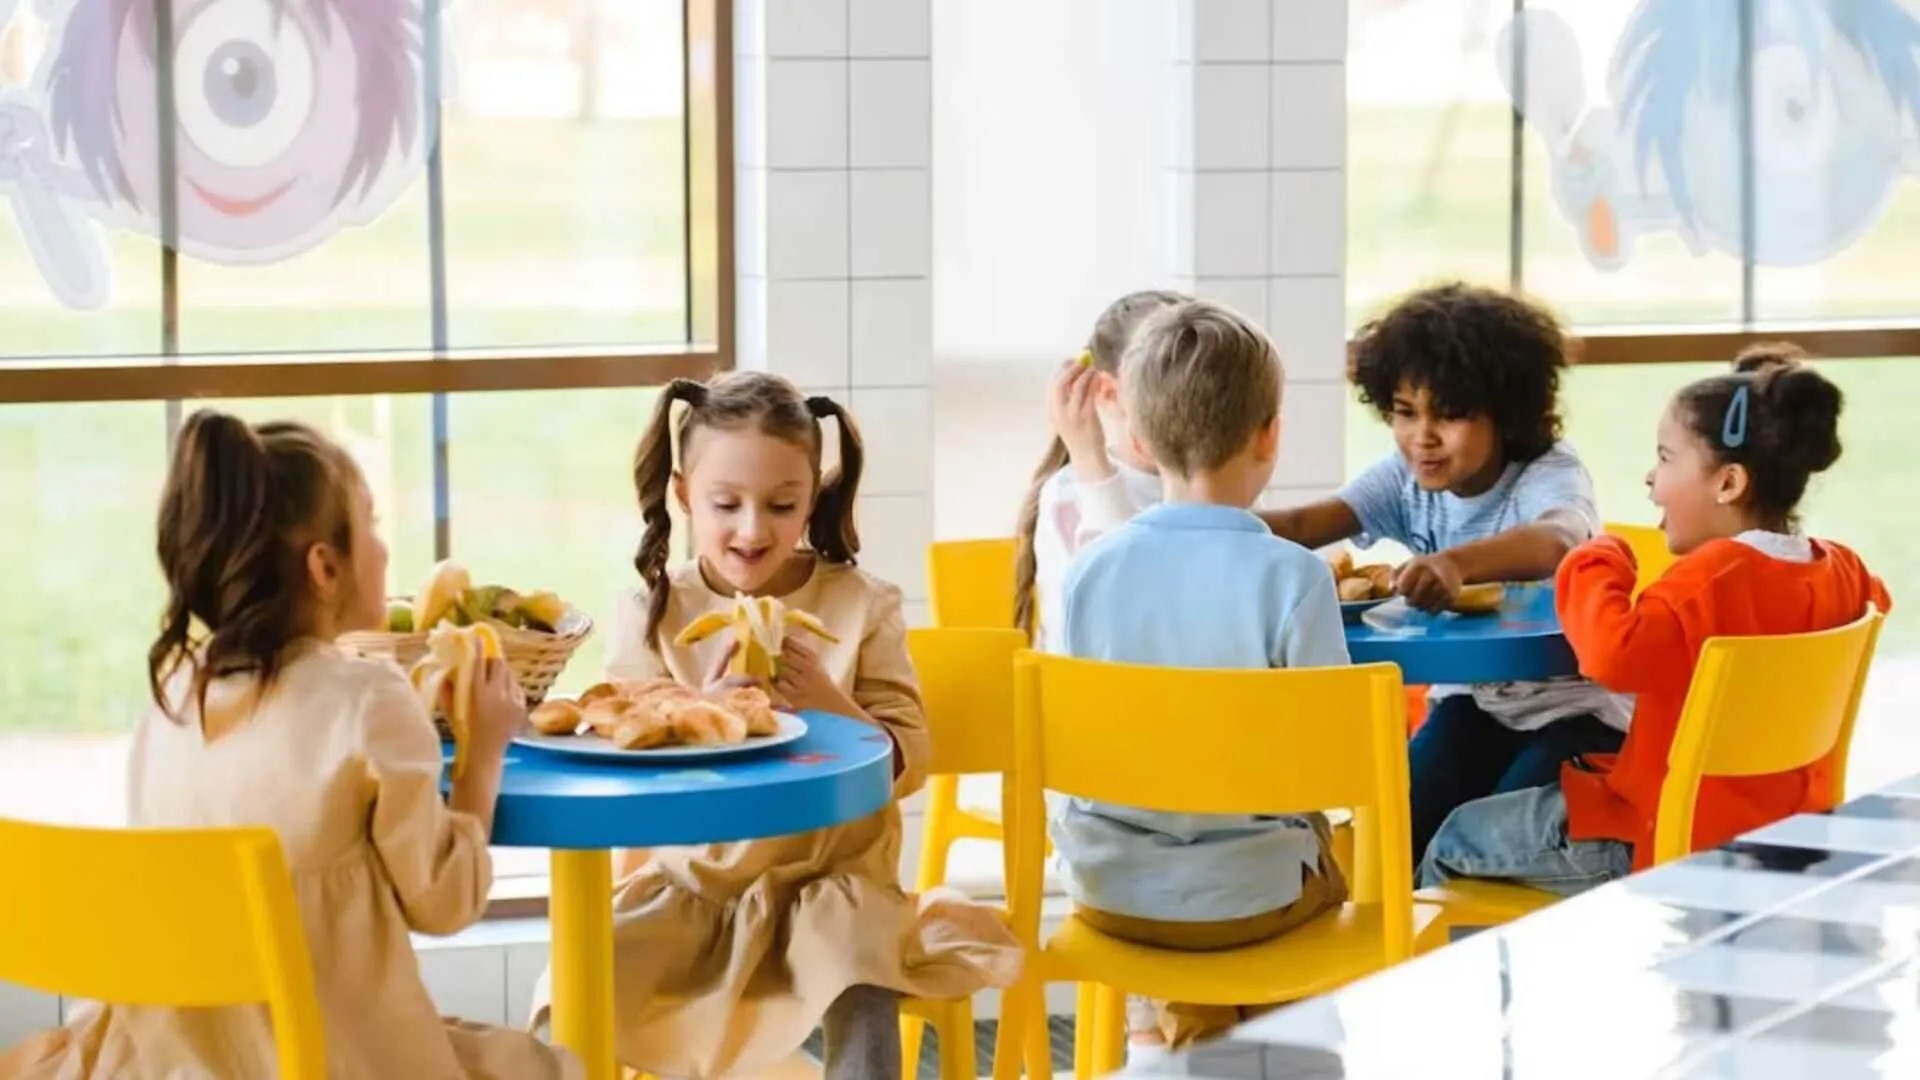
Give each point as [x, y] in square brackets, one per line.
[727, 957]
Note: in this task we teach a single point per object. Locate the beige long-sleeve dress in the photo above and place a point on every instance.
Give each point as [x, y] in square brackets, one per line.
[341, 760]
[726, 957]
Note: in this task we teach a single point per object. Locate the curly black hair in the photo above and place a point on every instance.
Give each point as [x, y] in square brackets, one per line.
[1478, 351]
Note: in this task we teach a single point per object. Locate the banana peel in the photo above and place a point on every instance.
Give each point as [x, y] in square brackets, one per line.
[445, 678]
[759, 625]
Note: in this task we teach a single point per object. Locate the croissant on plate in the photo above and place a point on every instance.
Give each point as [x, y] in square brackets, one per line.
[647, 714]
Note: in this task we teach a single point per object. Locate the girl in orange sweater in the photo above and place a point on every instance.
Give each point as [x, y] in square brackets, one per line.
[1735, 454]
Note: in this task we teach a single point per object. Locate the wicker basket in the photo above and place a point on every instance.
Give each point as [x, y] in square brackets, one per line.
[535, 658]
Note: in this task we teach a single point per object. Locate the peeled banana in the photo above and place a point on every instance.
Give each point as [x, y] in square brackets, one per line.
[759, 625]
[445, 677]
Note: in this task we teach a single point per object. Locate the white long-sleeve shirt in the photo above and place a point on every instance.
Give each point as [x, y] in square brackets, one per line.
[1073, 515]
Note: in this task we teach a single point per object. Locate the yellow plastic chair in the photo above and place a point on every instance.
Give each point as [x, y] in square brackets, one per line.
[211, 922]
[966, 683]
[1650, 552]
[970, 583]
[1757, 705]
[1205, 742]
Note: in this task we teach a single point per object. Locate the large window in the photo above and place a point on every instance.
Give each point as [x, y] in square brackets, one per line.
[1678, 177]
[464, 239]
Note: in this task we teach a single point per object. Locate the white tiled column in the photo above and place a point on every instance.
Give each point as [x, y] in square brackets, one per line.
[833, 166]
[1258, 200]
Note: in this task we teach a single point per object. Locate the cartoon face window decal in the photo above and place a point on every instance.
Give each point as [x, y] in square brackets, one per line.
[1834, 101]
[295, 119]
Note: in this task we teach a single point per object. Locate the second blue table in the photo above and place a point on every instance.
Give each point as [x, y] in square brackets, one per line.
[1522, 642]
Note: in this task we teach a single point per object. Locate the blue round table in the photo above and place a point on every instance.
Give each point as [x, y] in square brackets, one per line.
[1521, 642]
[840, 771]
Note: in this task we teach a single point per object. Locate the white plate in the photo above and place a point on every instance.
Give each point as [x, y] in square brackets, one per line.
[596, 746]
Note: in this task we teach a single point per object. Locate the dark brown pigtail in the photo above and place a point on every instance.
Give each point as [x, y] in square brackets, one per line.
[240, 508]
[831, 529]
[652, 476]
[1026, 566]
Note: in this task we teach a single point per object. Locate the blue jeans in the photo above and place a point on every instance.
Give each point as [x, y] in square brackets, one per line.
[1463, 753]
[1521, 837]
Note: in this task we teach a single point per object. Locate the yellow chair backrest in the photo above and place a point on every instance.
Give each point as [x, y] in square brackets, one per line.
[1650, 551]
[970, 582]
[966, 684]
[1761, 705]
[179, 917]
[1221, 742]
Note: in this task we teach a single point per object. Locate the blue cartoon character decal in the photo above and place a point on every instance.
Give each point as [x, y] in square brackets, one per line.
[294, 119]
[1835, 100]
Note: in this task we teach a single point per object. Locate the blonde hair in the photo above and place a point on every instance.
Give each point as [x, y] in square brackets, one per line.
[1111, 332]
[1200, 382]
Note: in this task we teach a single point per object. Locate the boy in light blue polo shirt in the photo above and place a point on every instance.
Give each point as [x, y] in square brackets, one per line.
[1199, 581]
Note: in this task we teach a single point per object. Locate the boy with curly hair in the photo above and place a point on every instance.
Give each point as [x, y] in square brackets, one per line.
[1481, 489]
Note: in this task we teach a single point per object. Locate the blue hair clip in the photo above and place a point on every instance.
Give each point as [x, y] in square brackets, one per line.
[1733, 429]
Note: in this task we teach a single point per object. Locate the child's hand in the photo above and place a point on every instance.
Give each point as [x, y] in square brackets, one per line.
[1429, 582]
[717, 677]
[1072, 412]
[803, 683]
[499, 712]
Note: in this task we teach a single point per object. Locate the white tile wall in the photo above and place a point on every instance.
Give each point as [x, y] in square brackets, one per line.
[890, 28]
[892, 100]
[1232, 30]
[1306, 317]
[1229, 224]
[806, 114]
[1310, 30]
[806, 224]
[1230, 116]
[1257, 195]
[1309, 222]
[836, 242]
[892, 332]
[816, 28]
[1306, 134]
[896, 424]
[806, 328]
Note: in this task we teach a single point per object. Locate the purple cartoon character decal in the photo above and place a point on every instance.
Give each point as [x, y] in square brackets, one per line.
[294, 119]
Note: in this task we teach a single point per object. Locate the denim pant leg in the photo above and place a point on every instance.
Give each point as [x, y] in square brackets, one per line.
[1457, 756]
[1545, 750]
[1521, 837]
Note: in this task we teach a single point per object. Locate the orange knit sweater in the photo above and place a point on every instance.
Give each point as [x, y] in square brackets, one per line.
[1649, 645]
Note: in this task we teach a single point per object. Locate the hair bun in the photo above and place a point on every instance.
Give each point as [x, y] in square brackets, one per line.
[1765, 356]
[1806, 405]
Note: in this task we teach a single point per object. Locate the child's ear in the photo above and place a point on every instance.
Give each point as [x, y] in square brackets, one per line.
[324, 572]
[1266, 444]
[1139, 446]
[1106, 388]
[680, 490]
[1732, 484]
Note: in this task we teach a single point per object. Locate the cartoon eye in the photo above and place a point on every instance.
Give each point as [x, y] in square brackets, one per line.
[245, 78]
[1795, 118]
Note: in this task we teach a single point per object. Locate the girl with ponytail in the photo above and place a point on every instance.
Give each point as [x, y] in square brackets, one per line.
[268, 548]
[728, 957]
[1734, 454]
[1090, 480]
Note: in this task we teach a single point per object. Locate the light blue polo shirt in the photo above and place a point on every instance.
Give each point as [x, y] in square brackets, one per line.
[1391, 505]
[1206, 586]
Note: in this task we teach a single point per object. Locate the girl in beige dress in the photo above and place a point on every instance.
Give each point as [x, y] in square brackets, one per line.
[727, 957]
[267, 543]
